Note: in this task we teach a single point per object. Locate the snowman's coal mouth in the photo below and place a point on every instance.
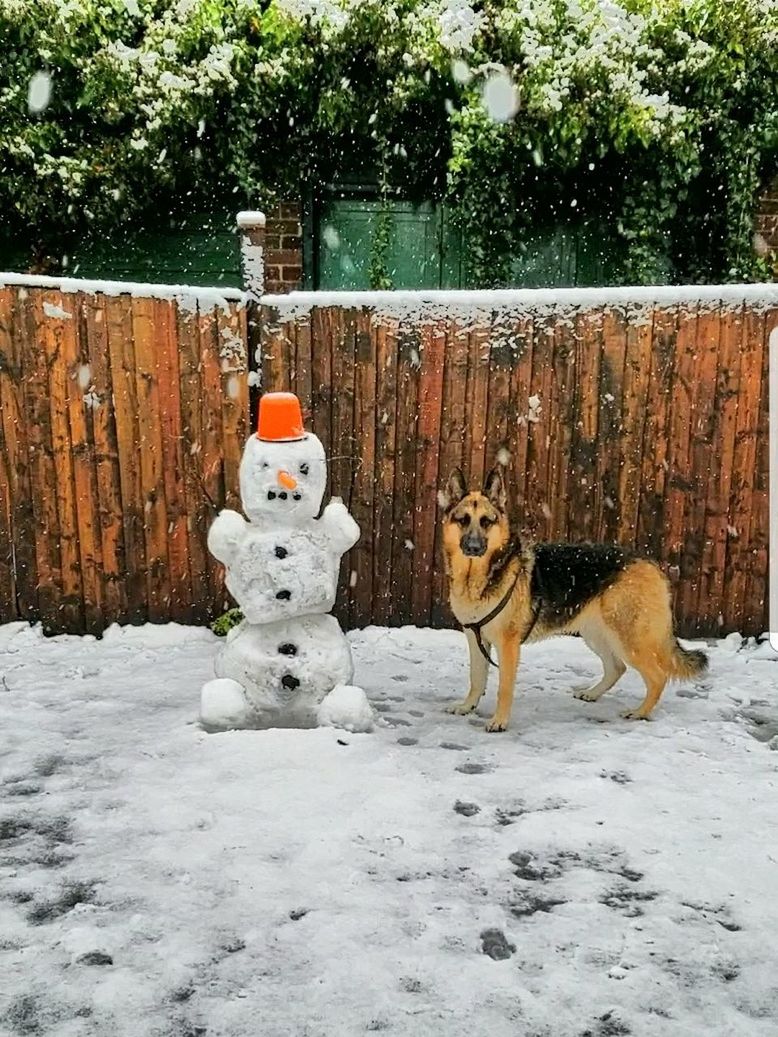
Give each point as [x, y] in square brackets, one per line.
[283, 495]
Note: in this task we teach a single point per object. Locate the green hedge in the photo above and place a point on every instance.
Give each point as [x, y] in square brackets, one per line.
[661, 118]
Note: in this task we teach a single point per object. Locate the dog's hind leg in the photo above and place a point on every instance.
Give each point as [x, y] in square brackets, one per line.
[479, 672]
[656, 679]
[612, 666]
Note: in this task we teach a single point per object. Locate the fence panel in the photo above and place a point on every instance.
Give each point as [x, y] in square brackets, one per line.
[122, 421]
[633, 415]
[637, 416]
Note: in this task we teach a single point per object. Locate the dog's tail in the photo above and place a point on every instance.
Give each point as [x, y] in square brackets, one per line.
[686, 664]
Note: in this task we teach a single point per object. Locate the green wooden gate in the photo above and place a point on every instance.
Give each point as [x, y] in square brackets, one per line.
[425, 250]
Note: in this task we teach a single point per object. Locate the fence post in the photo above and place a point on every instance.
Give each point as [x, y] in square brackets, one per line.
[251, 228]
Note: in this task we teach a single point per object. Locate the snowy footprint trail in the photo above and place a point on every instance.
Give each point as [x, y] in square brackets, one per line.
[578, 876]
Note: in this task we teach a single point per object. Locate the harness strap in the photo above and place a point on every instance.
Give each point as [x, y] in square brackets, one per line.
[477, 627]
[537, 601]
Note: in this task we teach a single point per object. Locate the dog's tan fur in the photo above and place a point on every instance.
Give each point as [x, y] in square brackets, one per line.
[627, 623]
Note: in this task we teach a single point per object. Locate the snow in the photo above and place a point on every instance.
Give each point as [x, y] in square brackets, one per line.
[251, 251]
[773, 481]
[222, 703]
[470, 303]
[50, 310]
[500, 96]
[460, 70]
[188, 297]
[39, 93]
[247, 218]
[253, 260]
[578, 873]
[348, 707]
[285, 668]
[281, 567]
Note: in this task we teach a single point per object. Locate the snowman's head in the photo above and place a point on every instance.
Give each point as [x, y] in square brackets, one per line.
[283, 482]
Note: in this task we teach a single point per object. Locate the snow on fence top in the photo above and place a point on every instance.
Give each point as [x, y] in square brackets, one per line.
[187, 296]
[455, 303]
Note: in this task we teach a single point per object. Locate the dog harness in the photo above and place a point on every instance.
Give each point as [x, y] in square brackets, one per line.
[478, 627]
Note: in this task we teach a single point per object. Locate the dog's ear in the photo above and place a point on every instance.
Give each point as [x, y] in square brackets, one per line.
[494, 488]
[455, 490]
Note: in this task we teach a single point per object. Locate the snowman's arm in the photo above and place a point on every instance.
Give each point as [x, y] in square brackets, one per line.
[340, 526]
[225, 535]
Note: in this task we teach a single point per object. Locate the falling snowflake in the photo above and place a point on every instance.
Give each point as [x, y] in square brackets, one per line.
[39, 93]
[460, 70]
[331, 238]
[500, 96]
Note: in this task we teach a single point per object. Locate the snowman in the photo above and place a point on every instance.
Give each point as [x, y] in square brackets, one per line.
[288, 663]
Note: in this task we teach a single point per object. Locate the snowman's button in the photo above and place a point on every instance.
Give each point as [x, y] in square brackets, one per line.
[287, 648]
[290, 682]
[284, 595]
[281, 552]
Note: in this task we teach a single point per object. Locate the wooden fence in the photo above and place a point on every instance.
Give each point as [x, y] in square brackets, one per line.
[636, 416]
[631, 415]
[123, 418]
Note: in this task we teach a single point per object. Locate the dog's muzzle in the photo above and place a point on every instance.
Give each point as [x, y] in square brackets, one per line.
[473, 546]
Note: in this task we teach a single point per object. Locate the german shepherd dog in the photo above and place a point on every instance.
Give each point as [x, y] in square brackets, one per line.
[506, 592]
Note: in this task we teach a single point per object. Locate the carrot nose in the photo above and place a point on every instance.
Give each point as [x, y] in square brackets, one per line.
[287, 481]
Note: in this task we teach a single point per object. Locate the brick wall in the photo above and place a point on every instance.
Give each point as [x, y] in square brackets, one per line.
[283, 248]
[767, 220]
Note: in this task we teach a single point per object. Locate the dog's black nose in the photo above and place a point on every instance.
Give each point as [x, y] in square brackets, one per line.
[473, 546]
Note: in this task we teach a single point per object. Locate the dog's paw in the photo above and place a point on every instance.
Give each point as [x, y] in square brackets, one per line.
[496, 724]
[635, 714]
[460, 709]
[586, 694]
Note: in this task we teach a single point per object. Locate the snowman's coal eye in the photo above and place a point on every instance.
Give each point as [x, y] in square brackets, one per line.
[303, 468]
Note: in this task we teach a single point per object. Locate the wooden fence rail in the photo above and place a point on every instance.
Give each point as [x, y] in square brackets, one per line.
[122, 419]
[636, 416]
[633, 415]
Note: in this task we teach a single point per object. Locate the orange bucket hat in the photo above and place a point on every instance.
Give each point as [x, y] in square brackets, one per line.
[280, 418]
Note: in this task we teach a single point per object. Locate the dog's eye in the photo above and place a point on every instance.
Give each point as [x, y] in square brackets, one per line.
[486, 522]
[303, 468]
[463, 520]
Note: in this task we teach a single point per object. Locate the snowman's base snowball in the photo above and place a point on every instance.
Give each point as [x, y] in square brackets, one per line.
[346, 706]
[223, 704]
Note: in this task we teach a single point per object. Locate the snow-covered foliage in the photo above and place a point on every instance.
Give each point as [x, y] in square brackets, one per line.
[659, 117]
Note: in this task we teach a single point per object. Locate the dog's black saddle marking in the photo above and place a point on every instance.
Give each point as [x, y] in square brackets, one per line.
[566, 577]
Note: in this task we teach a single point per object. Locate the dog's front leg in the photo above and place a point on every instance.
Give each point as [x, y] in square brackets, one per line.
[479, 672]
[508, 649]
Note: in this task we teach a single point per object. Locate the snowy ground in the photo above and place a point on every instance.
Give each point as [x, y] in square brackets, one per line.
[579, 875]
